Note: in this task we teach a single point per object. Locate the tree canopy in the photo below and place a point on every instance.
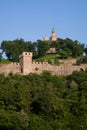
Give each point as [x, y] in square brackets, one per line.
[14, 48]
[43, 102]
[64, 47]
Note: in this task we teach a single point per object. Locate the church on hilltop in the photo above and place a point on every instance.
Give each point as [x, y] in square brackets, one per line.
[53, 36]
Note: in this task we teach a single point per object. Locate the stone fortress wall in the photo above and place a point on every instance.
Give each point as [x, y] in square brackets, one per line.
[11, 67]
[26, 66]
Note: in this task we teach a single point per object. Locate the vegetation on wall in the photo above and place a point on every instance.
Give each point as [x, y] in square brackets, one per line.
[43, 102]
[82, 59]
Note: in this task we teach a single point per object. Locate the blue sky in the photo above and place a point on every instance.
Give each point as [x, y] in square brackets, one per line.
[34, 19]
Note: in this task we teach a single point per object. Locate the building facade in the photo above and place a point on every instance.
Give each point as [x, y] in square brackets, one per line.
[53, 36]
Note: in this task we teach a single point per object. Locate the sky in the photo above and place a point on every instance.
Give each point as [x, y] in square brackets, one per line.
[33, 19]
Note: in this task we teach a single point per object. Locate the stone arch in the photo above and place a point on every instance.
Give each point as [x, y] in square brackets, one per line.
[81, 69]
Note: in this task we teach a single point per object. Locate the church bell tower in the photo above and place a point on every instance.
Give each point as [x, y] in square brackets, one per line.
[53, 36]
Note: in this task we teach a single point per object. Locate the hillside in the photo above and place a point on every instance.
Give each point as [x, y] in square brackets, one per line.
[51, 59]
[55, 59]
[43, 102]
[51, 53]
[63, 47]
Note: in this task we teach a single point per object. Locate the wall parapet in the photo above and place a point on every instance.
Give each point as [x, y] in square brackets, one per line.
[40, 63]
[15, 63]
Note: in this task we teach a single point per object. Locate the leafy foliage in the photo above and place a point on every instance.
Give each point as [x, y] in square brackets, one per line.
[64, 47]
[43, 102]
[14, 48]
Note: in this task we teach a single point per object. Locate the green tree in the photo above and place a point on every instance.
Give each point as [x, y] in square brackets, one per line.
[0, 57]
[37, 123]
[85, 50]
[14, 48]
[63, 54]
[42, 48]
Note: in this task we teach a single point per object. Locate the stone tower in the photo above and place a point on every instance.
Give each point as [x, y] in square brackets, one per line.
[26, 62]
[54, 36]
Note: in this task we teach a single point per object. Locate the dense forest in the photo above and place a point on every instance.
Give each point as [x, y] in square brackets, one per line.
[43, 102]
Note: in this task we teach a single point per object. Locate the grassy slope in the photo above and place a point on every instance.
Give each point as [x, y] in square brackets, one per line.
[51, 58]
[5, 61]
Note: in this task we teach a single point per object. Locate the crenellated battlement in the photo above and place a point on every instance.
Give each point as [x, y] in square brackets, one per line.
[15, 63]
[40, 63]
[25, 54]
[26, 66]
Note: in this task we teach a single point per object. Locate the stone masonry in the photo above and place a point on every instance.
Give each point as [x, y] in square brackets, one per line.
[26, 66]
